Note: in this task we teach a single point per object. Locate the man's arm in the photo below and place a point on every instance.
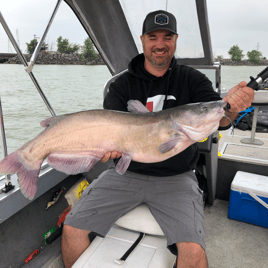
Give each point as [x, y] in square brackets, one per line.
[240, 98]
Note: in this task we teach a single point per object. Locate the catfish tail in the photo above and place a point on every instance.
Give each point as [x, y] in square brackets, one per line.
[27, 176]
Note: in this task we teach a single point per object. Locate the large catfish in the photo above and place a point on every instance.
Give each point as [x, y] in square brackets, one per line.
[73, 143]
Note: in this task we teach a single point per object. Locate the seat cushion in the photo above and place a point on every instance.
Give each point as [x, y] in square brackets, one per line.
[140, 219]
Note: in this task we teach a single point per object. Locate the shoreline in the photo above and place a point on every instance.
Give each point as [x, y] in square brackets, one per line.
[57, 58]
[229, 62]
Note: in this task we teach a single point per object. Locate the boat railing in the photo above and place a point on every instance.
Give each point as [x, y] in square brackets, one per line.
[25, 63]
[40, 43]
[8, 185]
[28, 68]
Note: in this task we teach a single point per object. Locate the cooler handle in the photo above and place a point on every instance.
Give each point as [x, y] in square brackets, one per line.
[258, 199]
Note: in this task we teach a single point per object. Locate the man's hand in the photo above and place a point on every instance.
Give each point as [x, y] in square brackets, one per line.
[110, 155]
[240, 98]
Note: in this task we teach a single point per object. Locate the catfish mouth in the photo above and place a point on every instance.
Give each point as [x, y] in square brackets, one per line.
[219, 113]
[223, 108]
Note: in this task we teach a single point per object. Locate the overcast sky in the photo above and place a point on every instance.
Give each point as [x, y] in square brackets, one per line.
[241, 22]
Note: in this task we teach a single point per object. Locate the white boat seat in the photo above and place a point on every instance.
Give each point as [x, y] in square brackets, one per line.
[140, 219]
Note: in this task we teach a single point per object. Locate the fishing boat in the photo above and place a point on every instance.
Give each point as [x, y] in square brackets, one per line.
[115, 27]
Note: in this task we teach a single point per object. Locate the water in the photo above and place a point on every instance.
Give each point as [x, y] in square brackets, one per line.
[232, 75]
[69, 89]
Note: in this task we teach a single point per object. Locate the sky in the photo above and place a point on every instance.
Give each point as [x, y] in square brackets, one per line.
[232, 22]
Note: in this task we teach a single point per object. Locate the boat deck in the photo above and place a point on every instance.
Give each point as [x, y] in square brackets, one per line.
[231, 147]
[230, 243]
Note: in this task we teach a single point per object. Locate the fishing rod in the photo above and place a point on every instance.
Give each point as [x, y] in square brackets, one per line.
[254, 82]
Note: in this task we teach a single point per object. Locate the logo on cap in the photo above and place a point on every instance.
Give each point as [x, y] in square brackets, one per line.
[161, 19]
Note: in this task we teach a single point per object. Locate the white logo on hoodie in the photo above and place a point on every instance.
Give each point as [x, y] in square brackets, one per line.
[156, 103]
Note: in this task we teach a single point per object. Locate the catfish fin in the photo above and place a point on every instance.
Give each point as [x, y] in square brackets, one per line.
[123, 164]
[136, 107]
[72, 162]
[27, 177]
[47, 122]
[168, 145]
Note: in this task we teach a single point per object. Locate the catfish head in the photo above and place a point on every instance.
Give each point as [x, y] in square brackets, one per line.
[199, 120]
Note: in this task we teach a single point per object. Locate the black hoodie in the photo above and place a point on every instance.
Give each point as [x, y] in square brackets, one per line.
[179, 85]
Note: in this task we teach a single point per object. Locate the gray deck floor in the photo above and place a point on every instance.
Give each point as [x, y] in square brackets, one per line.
[231, 243]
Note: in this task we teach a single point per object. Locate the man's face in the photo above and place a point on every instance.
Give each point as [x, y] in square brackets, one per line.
[159, 47]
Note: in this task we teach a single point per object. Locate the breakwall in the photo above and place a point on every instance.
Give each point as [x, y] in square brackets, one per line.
[59, 59]
[6, 56]
[241, 62]
[75, 59]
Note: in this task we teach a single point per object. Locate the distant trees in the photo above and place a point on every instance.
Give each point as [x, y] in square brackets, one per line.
[236, 53]
[32, 45]
[88, 51]
[220, 57]
[254, 56]
[65, 47]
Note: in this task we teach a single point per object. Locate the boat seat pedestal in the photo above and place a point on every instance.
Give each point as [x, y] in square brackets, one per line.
[252, 139]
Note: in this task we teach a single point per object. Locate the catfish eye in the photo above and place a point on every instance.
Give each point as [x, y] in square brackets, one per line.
[205, 108]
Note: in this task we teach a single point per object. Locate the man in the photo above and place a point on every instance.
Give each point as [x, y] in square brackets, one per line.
[169, 188]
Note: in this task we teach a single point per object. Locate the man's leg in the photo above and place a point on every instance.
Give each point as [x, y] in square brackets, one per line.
[101, 204]
[177, 205]
[73, 243]
[191, 255]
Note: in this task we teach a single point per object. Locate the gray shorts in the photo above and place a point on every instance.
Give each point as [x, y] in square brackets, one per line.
[175, 202]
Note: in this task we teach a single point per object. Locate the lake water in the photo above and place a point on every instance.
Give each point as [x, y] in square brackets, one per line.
[69, 89]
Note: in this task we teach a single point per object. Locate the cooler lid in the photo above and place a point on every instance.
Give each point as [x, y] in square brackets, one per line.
[249, 182]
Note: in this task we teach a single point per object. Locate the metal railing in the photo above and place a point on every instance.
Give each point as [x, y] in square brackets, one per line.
[28, 68]
[25, 63]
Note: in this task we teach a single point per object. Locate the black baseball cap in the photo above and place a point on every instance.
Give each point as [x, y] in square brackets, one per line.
[159, 20]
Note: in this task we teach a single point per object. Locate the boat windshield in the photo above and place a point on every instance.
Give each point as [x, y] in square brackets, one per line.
[189, 44]
[115, 28]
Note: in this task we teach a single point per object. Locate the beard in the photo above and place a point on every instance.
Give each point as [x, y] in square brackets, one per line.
[158, 62]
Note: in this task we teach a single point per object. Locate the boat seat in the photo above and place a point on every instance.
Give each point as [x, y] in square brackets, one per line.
[260, 99]
[141, 220]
